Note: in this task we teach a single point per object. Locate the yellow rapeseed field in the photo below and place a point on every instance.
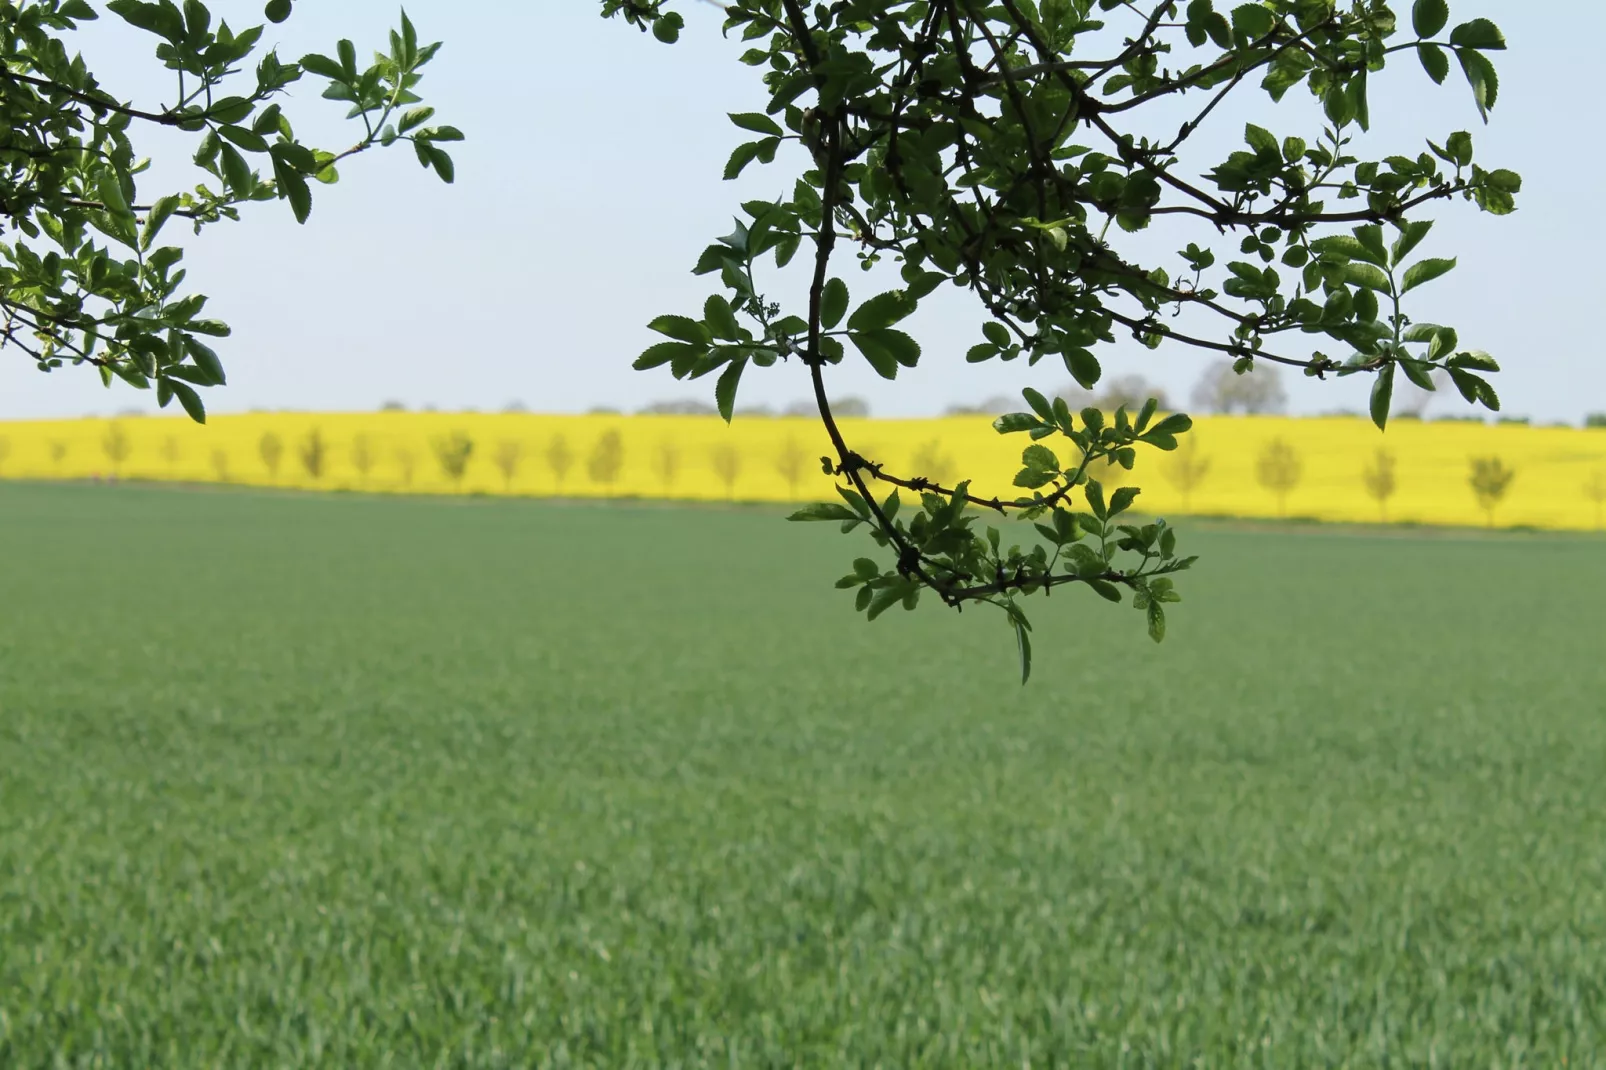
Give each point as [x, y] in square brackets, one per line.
[1238, 466]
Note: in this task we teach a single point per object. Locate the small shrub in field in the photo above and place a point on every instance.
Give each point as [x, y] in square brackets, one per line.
[667, 462]
[362, 457]
[117, 446]
[1490, 479]
[1595, 491]
[559, 459]
[1380, 481]
[1187, 470]
[509, 454]
[171, 451]
[1278, 469]
[220, 465]
[58, 452]
[270, 447]
[790, 463]
[930, 462]
[607, 458]
[314, 454]
[452, 452]
[726, 461]
[407, 464]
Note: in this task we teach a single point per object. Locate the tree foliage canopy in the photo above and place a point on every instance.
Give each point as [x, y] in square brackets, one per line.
[1005, 147]
[86, 279]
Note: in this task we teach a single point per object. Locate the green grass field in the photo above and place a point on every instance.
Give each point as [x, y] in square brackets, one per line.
[338, 782]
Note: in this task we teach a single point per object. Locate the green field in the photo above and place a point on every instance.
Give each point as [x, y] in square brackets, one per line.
[338, 782]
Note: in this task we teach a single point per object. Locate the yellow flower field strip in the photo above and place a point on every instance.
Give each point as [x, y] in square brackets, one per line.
[757, 459]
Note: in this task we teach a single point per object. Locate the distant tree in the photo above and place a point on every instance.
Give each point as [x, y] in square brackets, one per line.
[515, 407]
[1595, 491]
[1187, 470]
[851, 406]
[762, 412]
[172, 449]
[58, 452]
[848, 406]
[509, 454]
[393, 406]
[220, 465]
[270, 447]
[791, 462]
[453, 452]
[117, 446]
[559, 459]
[1595, 419]
[1490, 479]
[1131, 391]
[1412, 402]
[667, 462]
[1378, 476]
[407, 462]
[362, 458]
[997, 405]
[607, 458]
[679, 407]
[314, 454]
[1278, 468]
[726, 460]
[1222, 390]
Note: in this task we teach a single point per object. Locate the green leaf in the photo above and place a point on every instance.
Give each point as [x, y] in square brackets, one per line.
[1122, 499]
[1481, 77]
[725, 389]
[719, 318]
[161, 211]
[1366, 275]
[206, 359]
[758, 123]
[664, 352]
[1478, 33]
[824, 511]
[1041, 458]
[293, 185]
[740, 157]
[882, 310]
[236, 172]
[885, 599]
[667, 27]
[1039, 404]
[277, 10]
[1252, 22]
[1425, 271]
[996, 333]
[1156, 614]
[1023, 646]
[1429, 16]
[875, 350]
[1435, 62]
[1411, 235]
[249, 140]
[1016, 421]
[833, 303]
[682, 329]
[1083, 366]
[1382, 396]
[188, 398]
[1262, 140]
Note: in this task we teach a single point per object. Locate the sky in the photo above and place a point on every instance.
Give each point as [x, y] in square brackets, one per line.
[590, 181]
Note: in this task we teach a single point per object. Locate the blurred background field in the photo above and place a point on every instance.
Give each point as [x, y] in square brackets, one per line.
[1558, 473]
[362, 781]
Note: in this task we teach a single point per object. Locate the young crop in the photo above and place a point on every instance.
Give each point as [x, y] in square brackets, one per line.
[1007, 149]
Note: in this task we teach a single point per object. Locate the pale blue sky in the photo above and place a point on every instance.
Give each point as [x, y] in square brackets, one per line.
[590, 182]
